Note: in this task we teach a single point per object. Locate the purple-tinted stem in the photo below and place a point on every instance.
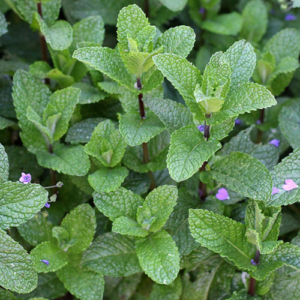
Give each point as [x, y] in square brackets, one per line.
[251, 290]
[261, 119]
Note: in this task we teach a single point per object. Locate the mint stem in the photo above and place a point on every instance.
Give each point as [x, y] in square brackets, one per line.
[43, 40]
[251, 290]
[52, 172]
[147, 8]
[261, 119]
[146, 158]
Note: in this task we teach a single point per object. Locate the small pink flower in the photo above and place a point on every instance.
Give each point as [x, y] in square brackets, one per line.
[222, 194]
[25, 178]
[275, 190]
[289, 185]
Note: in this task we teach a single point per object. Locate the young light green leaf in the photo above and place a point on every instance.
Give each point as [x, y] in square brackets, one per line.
[127, 226]
[225, 24]
[188, 151]
[51, 253]
[65, 160]
[158, 204]
[136, 130]
[255, 21]
[4, 165]
[222, 235]
[80, 223]
[289, 168]
[107, 180]
[17, 271]
[178, 40]
[172, 114]
[119, 203]
[80, 281]
[29, 91]
[244, 174]
[20, 202]
[62, 104]
[112, 254]
[159, 257]
[107, 61]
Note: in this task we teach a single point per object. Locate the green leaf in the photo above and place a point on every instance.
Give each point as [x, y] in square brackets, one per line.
[36, 230]
[286, 43]
[89, 94]
[172, 114]
[88, 32]
[40, 69]
[59, 35]
[112, 254]
[188, 151]
[159, 257]
[136, 130]
[131, 20]
[107, 180]
[107, 61]
[127, 226]
[158, 204]
[178, 40]
[3, 24]
[289, 117]
[255, 21]
[289, 168]
[62, 102]
[17, 272]
[29, 91]
[20, 202]
[119, 203]
[63, 80]
[80, 281]
[222, 235]
[80, 223]
[177, 224]
[65, 160]
[174, 5]
[184, 76]
[167, 292]
[106, 144]
[225, 24]
[239, 171]
[4, 165]
[4, 123]
[56, 257]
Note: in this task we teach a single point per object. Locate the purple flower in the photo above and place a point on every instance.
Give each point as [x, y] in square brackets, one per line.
[275, 142]
[47, 205]
[25, 178]
[253, 262]
[275, 190]
[289, 185]
[202, 10]
[258, 122]
[201, 127]
[222, 194]
[45, 261]
[290, 17]
[238, 121]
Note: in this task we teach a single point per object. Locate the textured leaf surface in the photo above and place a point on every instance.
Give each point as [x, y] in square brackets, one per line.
[289, 168]
[188, 151]
[107, 180]
[119, 203]
[159, 257]
[17, 272]
[222, 235]
[112, 254]
[80, 281]
[136, 130]
[178, 40]
[173, 115]
[48, 251]
[244, 174]
[65, 160]
[4, 166]
[159, 204]
[20, 202]
[127, 226]
[81, 226]
[89, 94]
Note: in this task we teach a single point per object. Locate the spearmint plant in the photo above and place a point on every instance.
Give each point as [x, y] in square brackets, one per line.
[143, 154]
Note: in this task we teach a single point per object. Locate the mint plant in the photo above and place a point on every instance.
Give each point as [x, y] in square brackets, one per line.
[149, 150]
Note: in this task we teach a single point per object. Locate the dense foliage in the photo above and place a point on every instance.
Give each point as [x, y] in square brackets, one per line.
[143, 153]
